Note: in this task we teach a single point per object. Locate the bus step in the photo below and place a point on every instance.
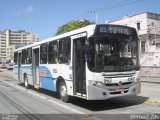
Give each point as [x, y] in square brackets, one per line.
[80, 96]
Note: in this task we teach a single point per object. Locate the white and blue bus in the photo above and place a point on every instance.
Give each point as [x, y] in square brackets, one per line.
[95, 62]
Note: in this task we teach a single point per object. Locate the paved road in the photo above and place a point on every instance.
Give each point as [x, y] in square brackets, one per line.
[16, 99]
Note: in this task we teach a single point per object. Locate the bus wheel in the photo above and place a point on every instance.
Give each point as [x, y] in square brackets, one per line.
[63, 92]
[26, 82]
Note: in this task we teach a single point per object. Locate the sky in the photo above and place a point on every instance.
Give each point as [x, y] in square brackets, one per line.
[43, 17]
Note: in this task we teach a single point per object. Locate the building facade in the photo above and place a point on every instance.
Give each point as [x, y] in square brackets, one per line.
[148, 28]
[9, 40]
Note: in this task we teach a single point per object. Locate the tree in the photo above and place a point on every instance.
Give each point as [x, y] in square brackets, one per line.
[72, 25]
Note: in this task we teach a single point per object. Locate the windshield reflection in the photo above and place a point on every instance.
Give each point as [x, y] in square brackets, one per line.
[108, 54]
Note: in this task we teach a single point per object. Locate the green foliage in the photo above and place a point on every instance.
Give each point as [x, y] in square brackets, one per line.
[72, 25]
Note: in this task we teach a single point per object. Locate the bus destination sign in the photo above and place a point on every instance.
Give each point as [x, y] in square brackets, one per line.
[114, 29]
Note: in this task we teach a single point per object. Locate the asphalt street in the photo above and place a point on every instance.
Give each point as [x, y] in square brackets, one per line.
[35, 104]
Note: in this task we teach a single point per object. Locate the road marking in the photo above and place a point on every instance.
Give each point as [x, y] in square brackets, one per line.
[95, 118]
[67, 107]
[11, 84]
[152, 102]
[148, 101]
[45, 98]
[36, 94]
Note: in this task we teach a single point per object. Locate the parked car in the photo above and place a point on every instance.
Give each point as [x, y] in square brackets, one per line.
[9, 66]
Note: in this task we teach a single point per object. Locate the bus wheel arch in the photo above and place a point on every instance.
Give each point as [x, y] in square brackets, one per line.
[25, 80]
[62, 90]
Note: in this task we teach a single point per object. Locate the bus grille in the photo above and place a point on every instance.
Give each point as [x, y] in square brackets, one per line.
[113, 93]
[112, 88]
[116, 84]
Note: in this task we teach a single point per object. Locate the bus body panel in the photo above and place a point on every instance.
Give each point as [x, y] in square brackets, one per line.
[15, 72]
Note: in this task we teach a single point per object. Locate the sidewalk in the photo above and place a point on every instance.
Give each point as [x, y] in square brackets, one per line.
[150, 79]
[150, 90]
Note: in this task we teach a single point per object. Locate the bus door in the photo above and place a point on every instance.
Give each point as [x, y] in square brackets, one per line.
[19, 67]
[35, 67]
[79, 67]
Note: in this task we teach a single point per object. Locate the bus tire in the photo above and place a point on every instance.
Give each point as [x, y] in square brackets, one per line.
[26, 82]
[63, 92]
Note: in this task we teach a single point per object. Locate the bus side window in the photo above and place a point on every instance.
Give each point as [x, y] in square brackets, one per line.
[52, 52]
[64, 50]
[23, 60]
[15, 58]
[43, 54]
[29, 56]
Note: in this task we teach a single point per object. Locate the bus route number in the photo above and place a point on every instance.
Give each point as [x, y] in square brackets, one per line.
[103, 29]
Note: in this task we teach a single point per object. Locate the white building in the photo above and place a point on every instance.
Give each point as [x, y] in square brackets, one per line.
[9, 40]
[148, 28]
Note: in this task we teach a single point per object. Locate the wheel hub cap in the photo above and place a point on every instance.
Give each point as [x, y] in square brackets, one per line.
[63, 91]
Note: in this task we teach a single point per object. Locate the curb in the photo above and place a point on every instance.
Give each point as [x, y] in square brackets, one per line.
[155, 82]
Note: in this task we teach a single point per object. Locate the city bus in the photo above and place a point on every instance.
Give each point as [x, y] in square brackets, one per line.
[96, 62]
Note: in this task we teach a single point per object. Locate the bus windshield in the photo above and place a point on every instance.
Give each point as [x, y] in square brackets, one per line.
[113, 54]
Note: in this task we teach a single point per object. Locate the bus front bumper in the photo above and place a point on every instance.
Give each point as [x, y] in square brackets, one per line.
[95, 93]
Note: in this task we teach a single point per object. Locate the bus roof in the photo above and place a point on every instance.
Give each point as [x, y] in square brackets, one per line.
[90, 29]
[71, 33]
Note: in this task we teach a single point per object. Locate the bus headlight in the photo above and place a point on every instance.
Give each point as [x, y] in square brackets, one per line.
[96, 83]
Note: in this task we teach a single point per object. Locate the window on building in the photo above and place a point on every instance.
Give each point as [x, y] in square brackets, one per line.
[24, 57]
[64, 50]
[143, 46]
[29, 56]
[158, 46]
[153, 42]
[53, 52]
[43, 54]
[138, 26]
[15, 58]
[152, 24]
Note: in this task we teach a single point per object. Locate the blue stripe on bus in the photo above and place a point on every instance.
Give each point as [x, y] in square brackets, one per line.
[27, 67]
[45, 77]
[46, 81]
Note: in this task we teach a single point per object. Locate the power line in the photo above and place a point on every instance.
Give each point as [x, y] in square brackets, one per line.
[120, 4]
[101, 8]
[117, 5]
[98, 9]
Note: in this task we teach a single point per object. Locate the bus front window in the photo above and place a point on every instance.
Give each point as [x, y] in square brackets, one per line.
[108, 54]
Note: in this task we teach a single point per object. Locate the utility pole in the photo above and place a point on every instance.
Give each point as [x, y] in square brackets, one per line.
[96, 15]
[155, 34]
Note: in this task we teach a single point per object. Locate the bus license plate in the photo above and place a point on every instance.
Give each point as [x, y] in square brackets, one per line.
[120, 89]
